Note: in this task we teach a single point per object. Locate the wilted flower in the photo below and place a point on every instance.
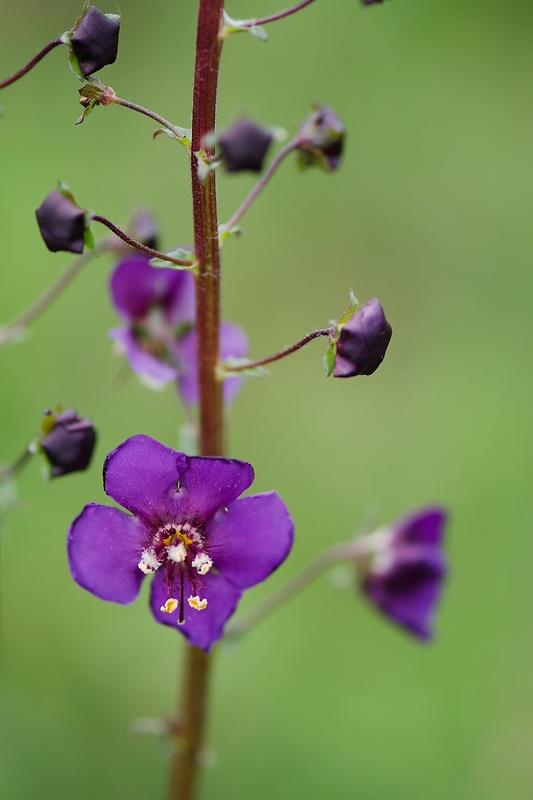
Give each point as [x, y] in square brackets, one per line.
[321, 139]
[187, 526]
[68, 443]
[362, 341]
[402, 568]
[95, 40]
[244, 146]
[62, 223]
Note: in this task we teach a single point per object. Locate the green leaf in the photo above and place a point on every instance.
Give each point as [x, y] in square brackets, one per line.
[329, 357]
[89, 240]
[74, 65]
[352, 308]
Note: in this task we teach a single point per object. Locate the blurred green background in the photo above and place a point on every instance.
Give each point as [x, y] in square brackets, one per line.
[431, 212]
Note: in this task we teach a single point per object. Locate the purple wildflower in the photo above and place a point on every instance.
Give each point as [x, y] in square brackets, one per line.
[68, 443]
[187, 526]
[95, 40]
[160, 341]
[244, 146]
[363, 341]
[61, 222]
[159, 307]
[402, 568]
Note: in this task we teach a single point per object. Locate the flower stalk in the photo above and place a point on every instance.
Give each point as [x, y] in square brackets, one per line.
[184, 774]
[142, 248]
[282, 353]
[31, 63]
[250, 23]
[261, 183]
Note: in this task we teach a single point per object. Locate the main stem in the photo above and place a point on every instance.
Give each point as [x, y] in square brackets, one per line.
[184, 776]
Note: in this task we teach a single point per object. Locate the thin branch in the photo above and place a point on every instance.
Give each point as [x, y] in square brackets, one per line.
[35, 309]
[260, 185]
[35, 60]
[120, 101]
[309, 573]
[142, 248]
[282, 353]
[251, 23]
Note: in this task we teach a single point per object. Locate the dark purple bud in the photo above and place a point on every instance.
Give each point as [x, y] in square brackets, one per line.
[95, 40]
[321, 139]
[61, 222]
[362, 342]
[69, 442]
[244, 146]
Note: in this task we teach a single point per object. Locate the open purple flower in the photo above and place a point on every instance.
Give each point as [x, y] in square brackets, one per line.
[187, 526]
[363, 341]
[159, 306]
[402, 568]
[160, 341]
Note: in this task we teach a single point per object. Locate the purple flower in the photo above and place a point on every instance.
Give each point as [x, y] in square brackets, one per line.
[321, 139]
[187, 526]
[363, 341]
[68, 443]
[61, 222]
[95, 40]
[244, 146]
[160, 341]
[402, 567]
[159, 307]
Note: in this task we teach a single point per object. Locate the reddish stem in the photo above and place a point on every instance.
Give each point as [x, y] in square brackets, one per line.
[142, 248]
[251, 23]
[35, 60]
[282, 353]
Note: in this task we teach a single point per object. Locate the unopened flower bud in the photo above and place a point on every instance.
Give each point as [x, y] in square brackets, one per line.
[362, 341]
[68, 443]
[95, 40]
[244, 146]
[321, 139]
[61, 222]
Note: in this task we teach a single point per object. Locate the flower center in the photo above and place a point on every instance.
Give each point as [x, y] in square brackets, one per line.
[179, 550]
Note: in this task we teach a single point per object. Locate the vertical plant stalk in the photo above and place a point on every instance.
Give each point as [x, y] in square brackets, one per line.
[184, 777]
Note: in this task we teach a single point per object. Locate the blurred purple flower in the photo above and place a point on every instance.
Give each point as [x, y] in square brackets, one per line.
[160, 341]
[402, 568]
[187, 526]
[321, 139]
[158, 305]
[363, 341]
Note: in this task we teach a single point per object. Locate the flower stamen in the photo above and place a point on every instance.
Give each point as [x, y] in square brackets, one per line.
[170, 605]
[149, 562]
[197, 603]
[203, 563]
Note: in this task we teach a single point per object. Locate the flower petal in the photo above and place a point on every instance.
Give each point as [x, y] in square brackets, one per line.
[201, 628]
[210, 483]
[251, 538]
[104, 547]
[425, 526]
[142, 475]
[136, 286]
[408, 594]
[142, 362]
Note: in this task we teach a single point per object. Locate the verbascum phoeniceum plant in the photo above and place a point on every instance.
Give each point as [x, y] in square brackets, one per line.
[183, 519]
